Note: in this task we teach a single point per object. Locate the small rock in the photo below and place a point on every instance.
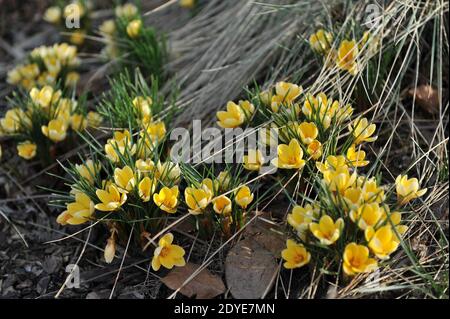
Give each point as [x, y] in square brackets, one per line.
[42, 285]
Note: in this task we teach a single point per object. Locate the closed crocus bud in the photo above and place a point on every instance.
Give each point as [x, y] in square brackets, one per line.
[315, 149]
[188, 4]
[53, 15]
[134, 28]
[224, 179]
[56, 130]
[27, 150]
[108, 27]
[78, 122]
[110, 250]
[253, 160]
[321, 41]
[72, 78]
[308, 132]
[243, 196]
[77, 37]
[266, 97]
[347, 56]
[127, 11]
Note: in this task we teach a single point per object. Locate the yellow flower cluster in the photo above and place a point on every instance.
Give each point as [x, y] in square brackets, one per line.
[47, 66]
[48, 111]
[347, 55]
[76, 9]
[128, 15]
[235, 115]
[352, 204]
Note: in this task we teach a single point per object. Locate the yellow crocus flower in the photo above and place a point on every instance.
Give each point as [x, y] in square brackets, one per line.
[289, 156]
[356, 158]
[362, 131]
[77, 212]
[295, 255]
[300, 218]
[347, 56]
[169, 172]
[111, 199]
[108, 28]
[407, 189]
[222, 205]
[266, 97]
[121, 143]
[143, 106]
[146, 167]
[315, 149]
[384, 241]
[42, 97]
[167, 199]
[370, 190]
[146, 189]
[233, 117]
[126, 11]
[353, 197]
[253, 160]
[288, 91]
[340, 180]
[188, 4]
[124, 179]
[78, 122]
[243, 196]
[356, 260]
[72, 78]
[197, 199]
[53, 14]
[367, 215]
[134, 28]
[74, 9]
[13, 121]
[167, 254]
[327, 231]
[88, 170]
[332, 163]
[224, 180]
[94, 119]
[56, 130]
[308, 132]
[27, 150]
[247, 107]
[155, 131]
[77, 37]
[321, 41]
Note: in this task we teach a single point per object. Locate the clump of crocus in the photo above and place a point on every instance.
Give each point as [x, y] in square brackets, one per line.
[47, 65]
[74, 12]
[41, 119]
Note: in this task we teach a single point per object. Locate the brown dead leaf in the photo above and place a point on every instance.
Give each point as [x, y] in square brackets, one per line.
[427, 97]
[249, 270]
[268, 233]
[205, 285]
